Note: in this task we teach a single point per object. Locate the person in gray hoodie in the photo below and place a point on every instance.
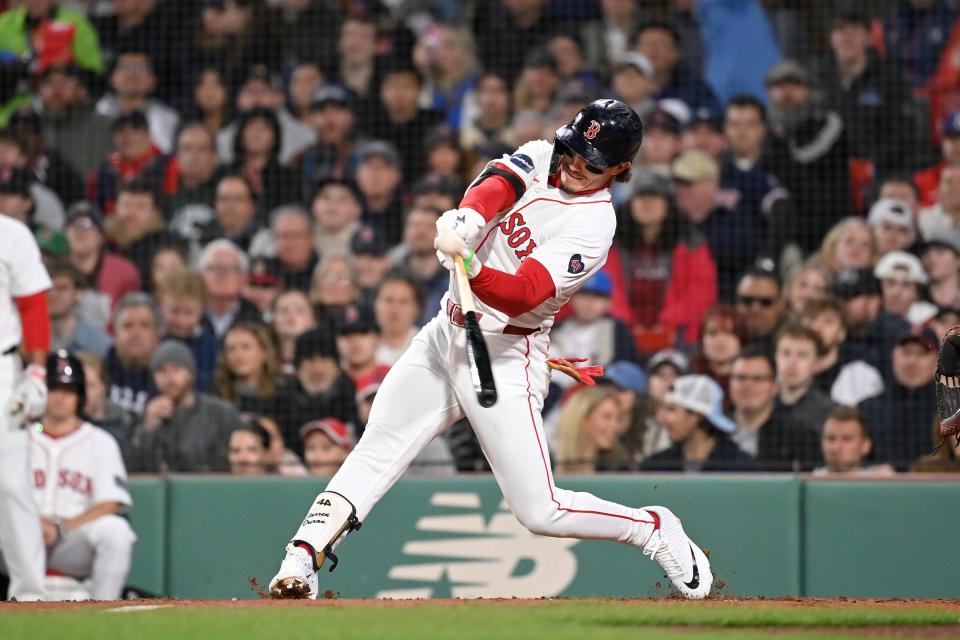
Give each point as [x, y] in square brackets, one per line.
[181, 430]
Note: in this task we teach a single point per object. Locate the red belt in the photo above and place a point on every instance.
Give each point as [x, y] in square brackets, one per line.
[455, 314]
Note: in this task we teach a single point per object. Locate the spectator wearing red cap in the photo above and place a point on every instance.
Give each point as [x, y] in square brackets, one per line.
[326, 443]
[263, 287]
[901, 416]
[134, 156]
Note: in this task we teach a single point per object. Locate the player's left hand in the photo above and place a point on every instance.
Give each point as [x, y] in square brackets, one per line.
[471, 262]
[29, 399]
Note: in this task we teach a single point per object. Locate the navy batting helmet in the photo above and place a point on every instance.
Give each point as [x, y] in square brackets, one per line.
[65, 369]
[604, 133]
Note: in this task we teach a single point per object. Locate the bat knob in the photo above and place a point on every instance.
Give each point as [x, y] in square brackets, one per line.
[487, 398]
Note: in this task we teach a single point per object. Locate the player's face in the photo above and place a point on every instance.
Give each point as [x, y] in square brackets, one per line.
[602, 425]
[173, 381]
[914, 365]
[323, 455]
[796, 362]
[293, 315]
[576, 174]
[245, 357]
[318, 374]
[358, 349]
[181, 315]
[679, 423]
[246, 454]
[752, 384]
[61, 402]
[137, 336]
[844, 445]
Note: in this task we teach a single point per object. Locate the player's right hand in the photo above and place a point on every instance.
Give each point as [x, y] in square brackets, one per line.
[467, 223]
[29, 399]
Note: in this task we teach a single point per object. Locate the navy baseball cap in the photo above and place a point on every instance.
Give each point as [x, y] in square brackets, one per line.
[368, 241]
[356, 318]
[15, 180]
[136, 119]
[926, 338]
[331, 94]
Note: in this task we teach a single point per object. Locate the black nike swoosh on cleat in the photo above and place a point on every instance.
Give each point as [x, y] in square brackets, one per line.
[695, 582]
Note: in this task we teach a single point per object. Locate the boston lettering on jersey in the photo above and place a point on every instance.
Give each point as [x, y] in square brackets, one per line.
[518, 234]
[66, 479]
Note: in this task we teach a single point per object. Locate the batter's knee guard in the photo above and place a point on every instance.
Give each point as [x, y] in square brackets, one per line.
[330, 518]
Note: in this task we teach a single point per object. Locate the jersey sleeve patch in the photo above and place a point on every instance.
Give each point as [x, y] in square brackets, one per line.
[523, 161]
[576, 264]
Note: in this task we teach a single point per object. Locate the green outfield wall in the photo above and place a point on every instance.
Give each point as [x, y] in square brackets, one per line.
[768, 536]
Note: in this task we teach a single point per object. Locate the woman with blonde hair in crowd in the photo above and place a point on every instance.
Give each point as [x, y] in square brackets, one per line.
[850, 244]
[446, 57]
[806, 283]
[588, 433]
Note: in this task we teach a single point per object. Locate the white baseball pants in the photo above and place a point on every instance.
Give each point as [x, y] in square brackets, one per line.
[430, 388]
[21, 536]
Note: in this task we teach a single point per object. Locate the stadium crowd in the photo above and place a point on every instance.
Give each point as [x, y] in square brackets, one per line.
[236, 203]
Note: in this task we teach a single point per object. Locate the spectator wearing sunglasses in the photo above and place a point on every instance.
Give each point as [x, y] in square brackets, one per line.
[760, 301]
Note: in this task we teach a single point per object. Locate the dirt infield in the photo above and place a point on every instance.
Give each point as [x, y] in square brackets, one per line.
[877, 604]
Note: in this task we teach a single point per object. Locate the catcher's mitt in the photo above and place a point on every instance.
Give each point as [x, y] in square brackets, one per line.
[948, 383]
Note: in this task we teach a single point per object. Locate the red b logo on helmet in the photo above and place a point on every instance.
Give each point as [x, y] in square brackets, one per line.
[592, 130]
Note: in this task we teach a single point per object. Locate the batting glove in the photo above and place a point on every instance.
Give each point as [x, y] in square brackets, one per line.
[466, 222]
[471, 262]
[30, 397]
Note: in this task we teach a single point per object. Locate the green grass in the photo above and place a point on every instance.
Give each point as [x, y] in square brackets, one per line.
[556, 620]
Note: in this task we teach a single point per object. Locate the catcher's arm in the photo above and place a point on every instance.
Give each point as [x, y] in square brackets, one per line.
[948, 384]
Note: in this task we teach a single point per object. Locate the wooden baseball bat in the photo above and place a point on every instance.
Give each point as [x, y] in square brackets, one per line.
[477, 354]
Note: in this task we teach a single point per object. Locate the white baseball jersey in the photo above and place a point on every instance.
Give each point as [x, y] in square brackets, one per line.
[21, 274]
[568, 234]
[76, 471]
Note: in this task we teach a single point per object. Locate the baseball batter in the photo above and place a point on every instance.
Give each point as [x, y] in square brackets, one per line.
[532, 228]
[23, 396]
[80, 486]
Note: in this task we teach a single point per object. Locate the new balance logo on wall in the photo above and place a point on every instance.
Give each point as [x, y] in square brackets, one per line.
[481, 559]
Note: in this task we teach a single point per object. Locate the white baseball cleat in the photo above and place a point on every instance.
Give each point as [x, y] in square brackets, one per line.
[683, 561]
[296, 579]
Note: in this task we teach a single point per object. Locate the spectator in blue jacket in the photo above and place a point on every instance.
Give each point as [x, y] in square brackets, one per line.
[739, 46]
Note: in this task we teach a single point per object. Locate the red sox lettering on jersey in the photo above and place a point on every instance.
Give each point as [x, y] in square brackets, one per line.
[569, 234]
[76, 471]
